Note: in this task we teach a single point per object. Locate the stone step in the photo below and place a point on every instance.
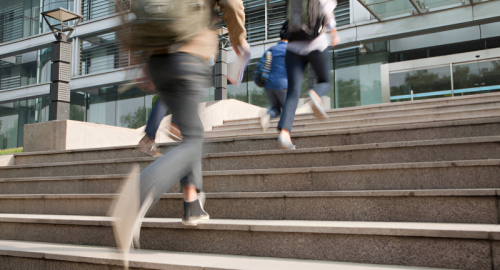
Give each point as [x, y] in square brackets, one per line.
[19, 254]
[396, 106]
[443, 206]
[452, 246]
[379, 153]
[473, 174]
[334, 124]
[448, 109]
[404, 132]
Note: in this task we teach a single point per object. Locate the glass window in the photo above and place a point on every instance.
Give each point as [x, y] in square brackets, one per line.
[347, 85]
[102, 107]
[343, 13]
[45, 62]
[14, 115]
[438, 4]
[18, 70]
[9, 117]
[239, 93]
[78, 106]
[103, 52]
[276, 15]
[256, 95]
[109, 106]
[255, 21]
[425, 83]
[475, 77]
[11, 20]
[93, 9]
[386, 9]
[357, 77]
[131, 109]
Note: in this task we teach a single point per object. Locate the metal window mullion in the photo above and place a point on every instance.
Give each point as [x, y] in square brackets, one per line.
[78, 6]
[265, 21]
[370, 10]
[415, 6]
[452, 83]
[75, 56]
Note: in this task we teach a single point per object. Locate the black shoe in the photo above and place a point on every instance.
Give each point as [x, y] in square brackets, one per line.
[194, 213]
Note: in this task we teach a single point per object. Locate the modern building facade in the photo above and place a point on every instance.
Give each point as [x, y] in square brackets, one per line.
[391, 51]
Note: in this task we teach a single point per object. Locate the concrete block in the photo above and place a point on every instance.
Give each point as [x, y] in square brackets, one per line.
[6, 160]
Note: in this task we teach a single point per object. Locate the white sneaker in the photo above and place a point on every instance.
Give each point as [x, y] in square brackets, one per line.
[138, 223]
[125, 210]
[264, 121]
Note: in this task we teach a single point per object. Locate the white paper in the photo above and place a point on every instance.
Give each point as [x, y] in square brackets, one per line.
[236, 69]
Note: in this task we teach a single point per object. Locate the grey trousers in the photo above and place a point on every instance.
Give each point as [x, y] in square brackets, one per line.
[181, 80]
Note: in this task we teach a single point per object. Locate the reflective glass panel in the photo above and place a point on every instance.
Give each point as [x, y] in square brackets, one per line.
[102, 52]
[476, 77]
[14, 115]
[9, 116]
[102, 108]
[18, 70]
[436, 4]
[11, 20]
[239, 93]
[393, 8]
[276, 15]
[490, 71]
[425, 83]
[256, 95]
[78, 106]
[92, 9]
[255, 19]
[130, 109]
[45, 62]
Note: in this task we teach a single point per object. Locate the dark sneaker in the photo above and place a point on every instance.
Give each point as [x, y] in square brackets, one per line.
[194, 212]
[174, 133]
[148, 146]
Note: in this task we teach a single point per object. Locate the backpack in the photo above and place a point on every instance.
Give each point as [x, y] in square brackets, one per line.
[261, 73]
[162, 23]
[306, 19]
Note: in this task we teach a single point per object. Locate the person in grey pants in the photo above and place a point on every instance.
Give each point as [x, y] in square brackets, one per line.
[181, 76]
[180, 79]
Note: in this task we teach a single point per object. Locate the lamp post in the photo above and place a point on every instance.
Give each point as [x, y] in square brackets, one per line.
[221, 65]
[61, 61]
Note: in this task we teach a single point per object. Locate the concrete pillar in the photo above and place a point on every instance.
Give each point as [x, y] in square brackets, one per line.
[60, 77]
[220, 75]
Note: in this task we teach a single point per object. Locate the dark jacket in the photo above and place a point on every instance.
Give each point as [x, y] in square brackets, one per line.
[277, 76]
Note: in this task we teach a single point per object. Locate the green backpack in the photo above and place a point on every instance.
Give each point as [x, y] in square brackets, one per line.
[162, 23]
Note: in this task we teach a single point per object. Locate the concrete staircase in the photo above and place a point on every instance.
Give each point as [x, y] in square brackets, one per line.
[401, 186]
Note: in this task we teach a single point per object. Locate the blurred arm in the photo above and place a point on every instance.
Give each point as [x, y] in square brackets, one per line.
[234, 16]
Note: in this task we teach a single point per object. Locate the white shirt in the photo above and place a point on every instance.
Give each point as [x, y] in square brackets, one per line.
[304, 47]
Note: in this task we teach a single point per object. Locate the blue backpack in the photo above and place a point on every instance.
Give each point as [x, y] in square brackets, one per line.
[261, 73]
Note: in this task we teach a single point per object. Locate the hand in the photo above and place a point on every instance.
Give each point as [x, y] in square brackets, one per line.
[244, 45]
[335, 37]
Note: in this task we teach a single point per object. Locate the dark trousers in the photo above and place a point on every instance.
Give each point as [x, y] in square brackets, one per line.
[181, 80]
[159, 111]
[295, 65]
[276, 99]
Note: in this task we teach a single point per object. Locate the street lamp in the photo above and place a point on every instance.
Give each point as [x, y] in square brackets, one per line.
[61, 61]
